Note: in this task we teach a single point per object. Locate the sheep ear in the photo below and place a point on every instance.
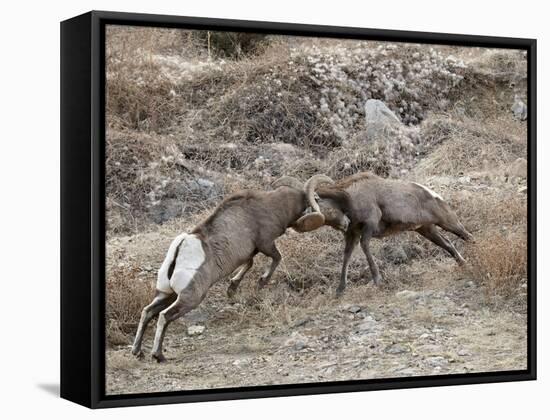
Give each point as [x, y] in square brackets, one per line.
[309, 222]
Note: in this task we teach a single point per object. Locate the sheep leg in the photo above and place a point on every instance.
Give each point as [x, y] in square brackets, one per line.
[236, 280]
[160, 302]
[430, 232]
[272, 252]
[352, 238]
[365, 240]
[458, 229]
[185, 302]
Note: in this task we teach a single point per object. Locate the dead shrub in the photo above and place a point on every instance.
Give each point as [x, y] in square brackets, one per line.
[499, 261]
[126, 295]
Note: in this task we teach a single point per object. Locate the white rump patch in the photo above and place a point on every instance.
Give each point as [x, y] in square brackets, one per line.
[433, 193]
[190, 258]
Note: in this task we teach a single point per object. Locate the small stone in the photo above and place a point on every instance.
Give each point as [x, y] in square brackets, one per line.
[353, 309]
[437, 361]
[300, 345]
[408, 294]
[303, 321]
[463, 352]
[519, 108]
[369, 324]
[397, 349]
[522, 190]
[195, 330]
[396, 312]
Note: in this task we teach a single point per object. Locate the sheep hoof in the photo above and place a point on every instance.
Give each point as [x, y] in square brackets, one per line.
[137, 353]
[262, 282]
[159, 358]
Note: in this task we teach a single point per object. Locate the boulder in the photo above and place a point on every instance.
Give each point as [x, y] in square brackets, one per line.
[380, 120]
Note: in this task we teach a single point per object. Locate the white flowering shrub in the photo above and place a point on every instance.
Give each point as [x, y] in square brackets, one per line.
[409, 79]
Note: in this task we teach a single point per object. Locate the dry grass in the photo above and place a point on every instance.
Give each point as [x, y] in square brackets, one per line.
[467, 144]
[126, 296]
[499, 261]
[487, 210]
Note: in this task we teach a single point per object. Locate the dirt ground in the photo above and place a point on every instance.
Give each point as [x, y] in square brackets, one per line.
[374, 334]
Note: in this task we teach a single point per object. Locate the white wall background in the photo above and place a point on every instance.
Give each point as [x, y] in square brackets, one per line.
[29, 222]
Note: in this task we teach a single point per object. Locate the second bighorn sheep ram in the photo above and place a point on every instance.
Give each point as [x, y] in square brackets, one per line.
[244, 224]
[378, 207]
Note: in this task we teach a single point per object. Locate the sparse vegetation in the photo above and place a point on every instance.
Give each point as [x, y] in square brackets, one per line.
[499, 261]
[186, 126]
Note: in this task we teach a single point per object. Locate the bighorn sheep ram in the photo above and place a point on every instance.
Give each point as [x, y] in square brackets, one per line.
[378, 207]
[244, 224]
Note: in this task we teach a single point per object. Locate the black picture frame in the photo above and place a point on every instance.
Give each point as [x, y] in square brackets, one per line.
[83, 208]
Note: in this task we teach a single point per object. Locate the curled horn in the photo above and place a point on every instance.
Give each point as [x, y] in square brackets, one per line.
[288, 181]
[310, 186]
[316, 219]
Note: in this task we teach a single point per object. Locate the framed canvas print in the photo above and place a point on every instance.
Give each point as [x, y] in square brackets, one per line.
[255, 209]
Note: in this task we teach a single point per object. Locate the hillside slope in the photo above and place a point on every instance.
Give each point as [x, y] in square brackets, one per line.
[186, 128]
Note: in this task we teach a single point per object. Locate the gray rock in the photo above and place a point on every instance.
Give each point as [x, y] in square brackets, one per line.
[167, 209]
[205, 183]
[380, 120]
[368, 325]
[519, 108]
[300, 345]
[394, 253]
[353, 308]
[302, 322]
[463, 352]
[397, 349]
[437, 361]
[204, 188]
[195, 330]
